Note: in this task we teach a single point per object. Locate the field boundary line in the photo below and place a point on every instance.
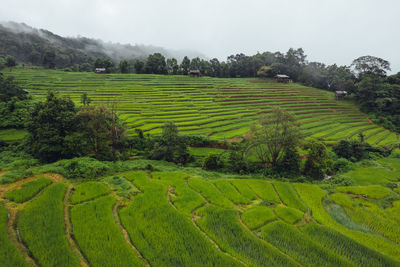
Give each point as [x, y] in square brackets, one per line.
[69, 230]
[125, 234]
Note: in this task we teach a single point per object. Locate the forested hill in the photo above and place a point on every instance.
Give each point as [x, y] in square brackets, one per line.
[36, 46]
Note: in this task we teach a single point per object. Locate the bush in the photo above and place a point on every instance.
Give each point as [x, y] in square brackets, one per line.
[213, 162]
[341, 165]
[84, 168]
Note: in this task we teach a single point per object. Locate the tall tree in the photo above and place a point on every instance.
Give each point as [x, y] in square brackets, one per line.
[370, 65]
[185, 65]
[273, 135]
[124, 66]
[156, 64]
[172, 66]
[138, 66]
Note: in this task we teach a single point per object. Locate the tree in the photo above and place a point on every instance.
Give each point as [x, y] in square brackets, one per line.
[185, 65]
[123, 66]
[85, 100]
[10, 61]
[10, 89]
[215, 67]
[155, 64]
[102, 130]
[106, 63]
[275, 133]
[171, 146]
[370, 65]
[172, 66]
[264, 72]
[49, 59]
[51, 121]
[138, 66]
[318, 162]
[195, 64]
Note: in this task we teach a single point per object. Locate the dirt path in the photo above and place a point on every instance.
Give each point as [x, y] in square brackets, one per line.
[13, 232]
[68, 228]
[126, 235]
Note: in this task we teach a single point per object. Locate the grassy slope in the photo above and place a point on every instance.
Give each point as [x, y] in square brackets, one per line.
[222, 108]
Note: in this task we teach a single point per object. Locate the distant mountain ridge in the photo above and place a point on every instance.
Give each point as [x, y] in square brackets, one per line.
[30, 45]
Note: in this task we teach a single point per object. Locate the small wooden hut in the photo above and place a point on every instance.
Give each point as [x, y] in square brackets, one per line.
[194, 73]
[100, 70]
[340, 94]
[282, 78]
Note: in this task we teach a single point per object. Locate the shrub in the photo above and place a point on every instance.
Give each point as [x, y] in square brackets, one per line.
[341, 165]
[213, 162]
[85, 168]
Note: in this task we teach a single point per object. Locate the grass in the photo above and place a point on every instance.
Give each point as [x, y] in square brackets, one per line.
[289, 215]
[289, 196]
[370, 191]
[164, 236]
[297, 245]
[121, 186]
[312, 195]
[99, 237]
[218, 107]
[230, 192]
[88, 191]
[222, 225]
[42, 228]
[346, 247]
[28, 190]
[210, 192]
[264, 190]
[11, 135]
[9, 254]
[243, 188]
[257, 216]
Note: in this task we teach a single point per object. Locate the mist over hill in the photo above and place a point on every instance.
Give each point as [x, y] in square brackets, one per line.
[30, 45]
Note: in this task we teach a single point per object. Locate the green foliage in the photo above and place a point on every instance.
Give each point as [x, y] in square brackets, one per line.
[264, 190]
[210, 192]
[122, 186]
[155, 64]
[289, 215]
[10, 89]
[50, 122]
[171, 146]
[230, 192]
[42, 228]
[341, 165]
[289, 195]
[9, 254]
[370, 191]
[88, 191]
[28, 190]
[222, 226]
[84, 168]
[318, 162]
[164, 236]
[257, 216]
[299, 246]
[213, 162]
[105, 245]
[346, 247]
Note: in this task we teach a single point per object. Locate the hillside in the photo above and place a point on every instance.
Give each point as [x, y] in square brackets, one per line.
[181, 217]
[217, 107]
[29, 45]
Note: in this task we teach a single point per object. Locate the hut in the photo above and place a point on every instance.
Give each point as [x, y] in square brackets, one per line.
[194, 73]
[100, 70]
[340, 94]
[282, 78]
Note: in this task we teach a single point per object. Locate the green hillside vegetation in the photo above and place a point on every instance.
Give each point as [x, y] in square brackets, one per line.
[173, 217]
[217, 107]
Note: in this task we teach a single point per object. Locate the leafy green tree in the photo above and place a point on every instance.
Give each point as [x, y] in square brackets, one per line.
[51, 121]
[273, 135]
[195, 63]
[138, 66]
[10, 89]
[49, 59]
[85, 100]
[10, 61]
[172, 66]
[171, 146]
[215, 67]
[124, 66]
[290, 163]
[370, 65]
[318, 162]
[106, 63]
[213, 162]
[102, 131]
[264, 72]
[156, 64]
[185, 65]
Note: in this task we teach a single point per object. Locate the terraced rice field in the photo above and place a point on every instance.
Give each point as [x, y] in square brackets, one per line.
[176, 219]
[219, 108]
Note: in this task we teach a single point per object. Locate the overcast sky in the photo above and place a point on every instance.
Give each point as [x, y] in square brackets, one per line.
[330, 31]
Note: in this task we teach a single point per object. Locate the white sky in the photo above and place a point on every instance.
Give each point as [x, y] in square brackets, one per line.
[330, 31]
